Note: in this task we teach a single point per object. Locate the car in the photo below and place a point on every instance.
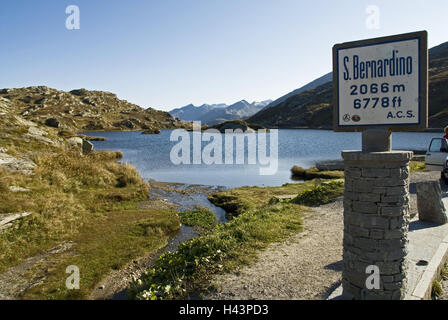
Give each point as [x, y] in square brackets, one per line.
[437, 157]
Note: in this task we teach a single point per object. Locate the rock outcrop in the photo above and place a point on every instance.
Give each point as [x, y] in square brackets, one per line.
[236, 125]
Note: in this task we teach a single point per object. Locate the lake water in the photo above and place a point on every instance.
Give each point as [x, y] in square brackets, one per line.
[150, 154]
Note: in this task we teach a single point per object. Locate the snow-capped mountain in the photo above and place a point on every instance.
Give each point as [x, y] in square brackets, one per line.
[215, 113]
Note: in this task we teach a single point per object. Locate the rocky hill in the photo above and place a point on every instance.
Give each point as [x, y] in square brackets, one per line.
[313, 108]
[84, 110]
[310, 86]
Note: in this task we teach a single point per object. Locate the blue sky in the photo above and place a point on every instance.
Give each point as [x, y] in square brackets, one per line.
[169, 53]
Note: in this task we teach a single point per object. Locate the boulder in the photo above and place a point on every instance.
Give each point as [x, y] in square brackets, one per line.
[429, 202]
[151, 131]
[52, 122]
[88, 101]
[92, 125]
[79, 92]
[75, 142]
[81, 144]
[87, 146]
[6, 220]
[10, 163]
[126, 123]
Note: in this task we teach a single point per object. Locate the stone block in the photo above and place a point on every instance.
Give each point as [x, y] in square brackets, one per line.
[429, 202]
[365, 207]
[375, 173]
[396, 211]
[369, 197]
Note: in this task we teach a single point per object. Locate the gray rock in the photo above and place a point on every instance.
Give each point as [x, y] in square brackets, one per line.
[6, 220]
[18, 189]
[75, 142]
[10, 163]
[81, 144]
[52, 122]
[127, 123]
[87, 146]
[429, 202]
[151, 131]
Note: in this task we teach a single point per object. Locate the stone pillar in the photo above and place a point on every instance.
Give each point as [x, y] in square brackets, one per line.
[376, 223]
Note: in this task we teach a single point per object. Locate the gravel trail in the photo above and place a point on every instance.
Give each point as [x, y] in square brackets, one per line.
[308, 266]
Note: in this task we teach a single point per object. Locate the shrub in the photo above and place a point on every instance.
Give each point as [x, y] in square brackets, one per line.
[200, 217]
[320, 195]
[313, 173]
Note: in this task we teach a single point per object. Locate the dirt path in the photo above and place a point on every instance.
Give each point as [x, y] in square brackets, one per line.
[307, 266]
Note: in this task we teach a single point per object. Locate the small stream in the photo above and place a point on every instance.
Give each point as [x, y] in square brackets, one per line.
[186, 197]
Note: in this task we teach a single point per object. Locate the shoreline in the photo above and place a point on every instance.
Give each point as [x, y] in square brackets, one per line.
[115, 284]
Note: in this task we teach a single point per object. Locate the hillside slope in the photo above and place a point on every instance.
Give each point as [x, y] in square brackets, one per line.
[313, 108]
[310, 86]
[84, 110]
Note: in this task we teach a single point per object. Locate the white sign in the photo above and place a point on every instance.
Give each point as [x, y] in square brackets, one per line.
[380, 83]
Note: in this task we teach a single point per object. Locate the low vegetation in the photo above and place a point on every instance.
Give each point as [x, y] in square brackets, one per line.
[321, 194]
[200, 218]
[257, 221]
[300, 173]
[89, 201]
[418, 166]
[240, 200]
[437, 286]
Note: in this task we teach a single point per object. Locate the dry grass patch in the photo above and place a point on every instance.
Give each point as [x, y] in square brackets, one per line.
[90, 200]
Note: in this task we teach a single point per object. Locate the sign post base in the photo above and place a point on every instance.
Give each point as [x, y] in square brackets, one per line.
[376, 222]
[376, 140]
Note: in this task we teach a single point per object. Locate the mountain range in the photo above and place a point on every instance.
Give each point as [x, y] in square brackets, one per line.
[211, 114]
[312, 106]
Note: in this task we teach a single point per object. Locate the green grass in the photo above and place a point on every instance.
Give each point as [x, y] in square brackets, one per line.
[89, 200]
[300, 173]
[417, 166]
[259, 222]
[321, 194]
[437, 290]
[200, 217]
[240, 200]
[107, 243]
[177, 275]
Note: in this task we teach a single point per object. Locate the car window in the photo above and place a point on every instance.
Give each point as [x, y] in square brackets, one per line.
[436, 145]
